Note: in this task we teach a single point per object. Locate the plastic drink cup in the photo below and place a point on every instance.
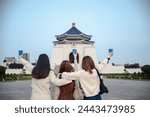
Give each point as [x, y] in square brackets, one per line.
[74, 51]
[110, 50]
[20, 52]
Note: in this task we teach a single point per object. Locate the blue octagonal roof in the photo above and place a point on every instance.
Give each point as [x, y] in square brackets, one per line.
[73, 30]
[72, 33]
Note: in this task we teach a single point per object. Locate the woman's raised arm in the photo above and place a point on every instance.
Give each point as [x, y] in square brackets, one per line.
[27, 64]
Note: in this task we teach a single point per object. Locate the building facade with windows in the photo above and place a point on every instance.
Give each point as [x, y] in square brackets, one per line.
[26, 56]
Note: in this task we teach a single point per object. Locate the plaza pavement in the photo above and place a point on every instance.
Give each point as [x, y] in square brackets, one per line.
[118, 90]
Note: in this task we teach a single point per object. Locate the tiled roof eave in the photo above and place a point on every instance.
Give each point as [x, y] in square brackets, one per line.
[73, 35]
[81, 41]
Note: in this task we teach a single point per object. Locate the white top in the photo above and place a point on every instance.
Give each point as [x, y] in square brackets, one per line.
[89, 82]
[41, 87]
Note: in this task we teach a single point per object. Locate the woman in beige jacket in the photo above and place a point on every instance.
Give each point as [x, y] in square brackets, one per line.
[42, 75]
[88, 77]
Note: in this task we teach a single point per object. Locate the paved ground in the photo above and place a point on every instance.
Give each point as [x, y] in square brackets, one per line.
[118, 90]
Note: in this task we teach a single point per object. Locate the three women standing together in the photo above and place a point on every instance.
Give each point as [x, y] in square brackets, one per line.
[43, 75]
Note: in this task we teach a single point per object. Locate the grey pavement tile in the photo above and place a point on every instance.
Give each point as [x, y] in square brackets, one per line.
[118, 90]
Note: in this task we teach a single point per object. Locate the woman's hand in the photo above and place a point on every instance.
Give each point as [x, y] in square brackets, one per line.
[75, 56]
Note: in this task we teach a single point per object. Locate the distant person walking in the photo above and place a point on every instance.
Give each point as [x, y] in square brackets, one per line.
[42, 75]
[88, 77]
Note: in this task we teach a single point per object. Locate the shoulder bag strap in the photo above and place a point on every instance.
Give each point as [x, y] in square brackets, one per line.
[98, 73]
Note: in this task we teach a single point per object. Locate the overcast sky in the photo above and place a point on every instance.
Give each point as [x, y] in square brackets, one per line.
[31, 25]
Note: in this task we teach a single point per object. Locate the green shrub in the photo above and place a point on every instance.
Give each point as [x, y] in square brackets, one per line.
[2, 73]
[146, 70]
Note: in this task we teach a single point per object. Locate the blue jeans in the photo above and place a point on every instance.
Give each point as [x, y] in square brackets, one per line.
[96, 97]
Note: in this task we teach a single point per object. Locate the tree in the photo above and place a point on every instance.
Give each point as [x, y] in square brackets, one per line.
[15, 66]
[135, 65]
[146, 70]
[2, 72]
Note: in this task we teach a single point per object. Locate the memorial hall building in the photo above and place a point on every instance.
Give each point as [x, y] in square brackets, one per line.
[72, 39]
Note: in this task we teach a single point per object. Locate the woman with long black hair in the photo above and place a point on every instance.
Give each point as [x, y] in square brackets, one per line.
[42, 75]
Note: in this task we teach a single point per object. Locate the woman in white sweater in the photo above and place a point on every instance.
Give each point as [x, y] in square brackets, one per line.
[42, 75]
[88, 77]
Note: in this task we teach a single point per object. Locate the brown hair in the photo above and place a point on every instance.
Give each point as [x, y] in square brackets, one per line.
[88, 64]
[66, 66]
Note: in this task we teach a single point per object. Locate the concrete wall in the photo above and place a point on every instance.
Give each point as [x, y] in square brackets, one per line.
[114, 69]
[16, 71]
[108, 70]
[131, 70]
[119, 69]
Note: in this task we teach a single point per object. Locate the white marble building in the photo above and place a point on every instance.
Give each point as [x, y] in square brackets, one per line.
[66, 42]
